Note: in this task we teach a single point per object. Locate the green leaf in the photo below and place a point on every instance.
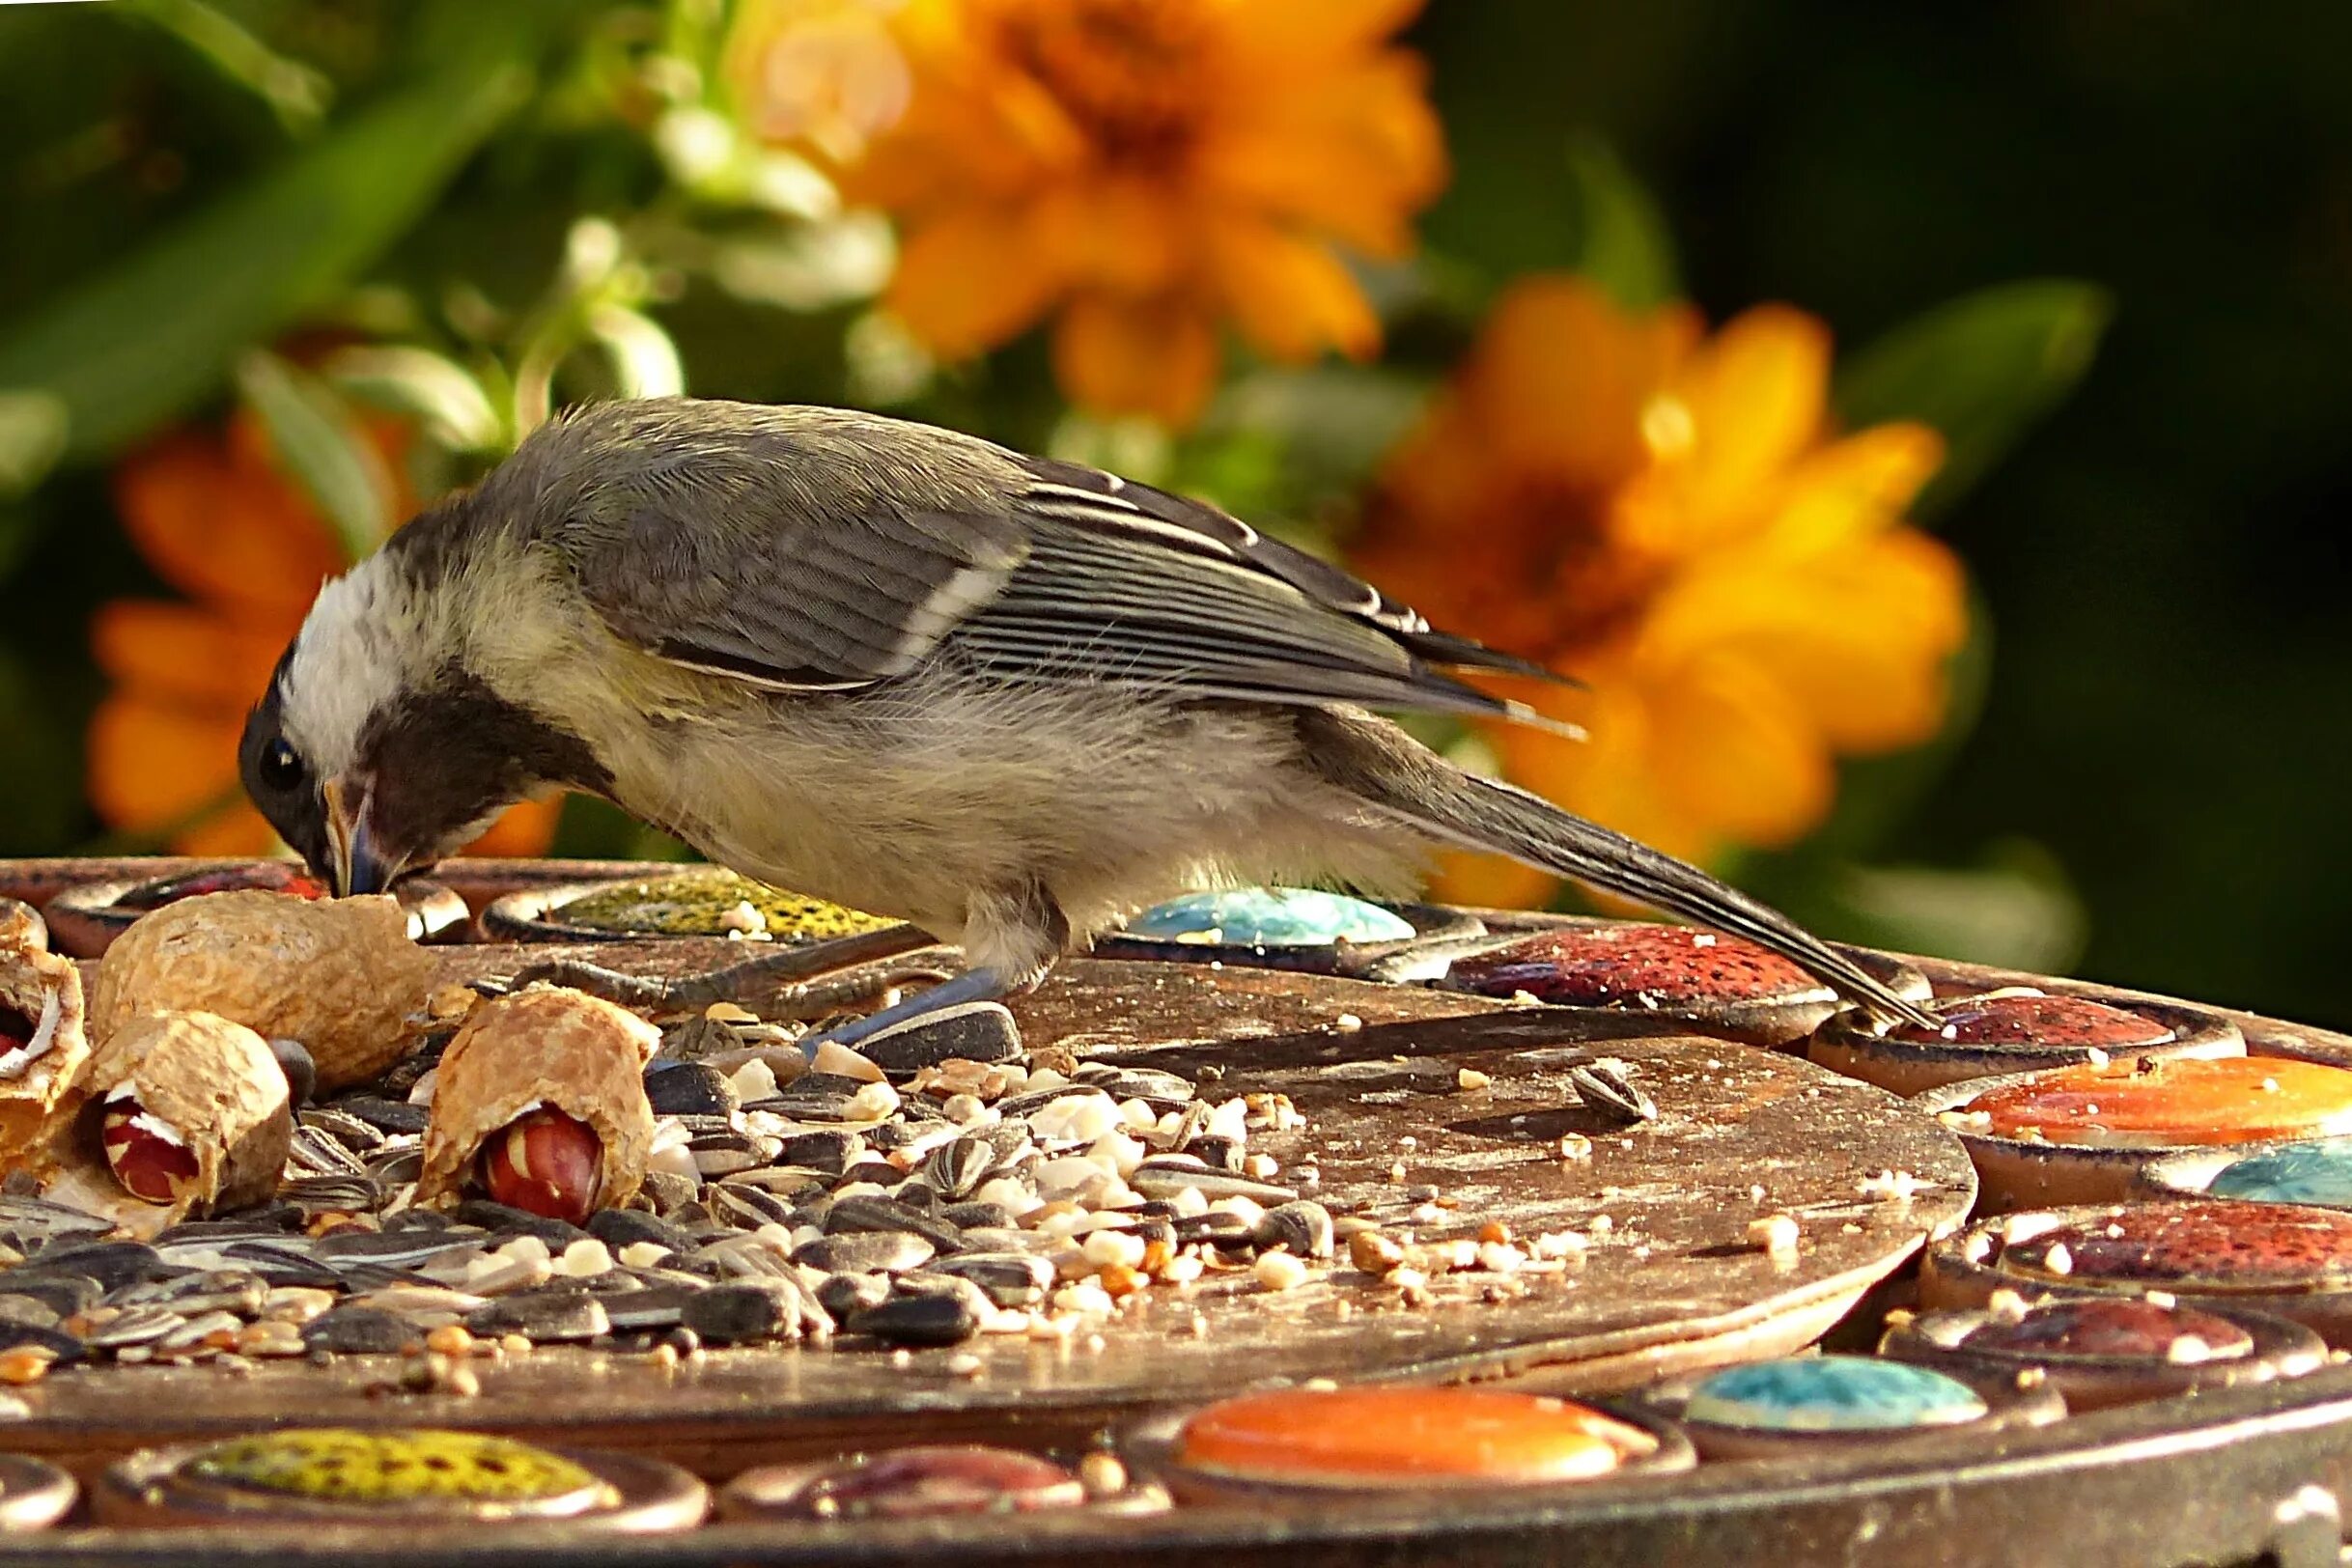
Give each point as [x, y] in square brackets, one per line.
[1622, 241]
[145, 340]
[33, 429]
[2017, 911]
[645, 361]
[322, 448]
[446, 402]
[1980, 369]
[298, 94]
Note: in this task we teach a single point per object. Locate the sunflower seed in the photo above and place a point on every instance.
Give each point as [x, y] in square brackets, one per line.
[136, 1326]
[544, 1317]
[197, 1329]
[860, 1213]
[384, 1114]
[618, 1229]
[957, 1167]
[359, 1330]
[638, 1311]
[1163, 1176]
[944, 1319]
[688, 1089]
[974, 1031]
[1008, 1279]
[29, 1222]
[829, 1151]
[973, 1215]
[747, 1311]
[1605, 1086]
[316, 1153]
[27, 1312]
[871, 1251]
[1301, 1229]
[358, 1137]
[233, 1290]
[112, 1264]
[1163, 1090]
[301, 1073]
[843, 1295]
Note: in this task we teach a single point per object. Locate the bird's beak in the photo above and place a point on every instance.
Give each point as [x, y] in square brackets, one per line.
[359, 866]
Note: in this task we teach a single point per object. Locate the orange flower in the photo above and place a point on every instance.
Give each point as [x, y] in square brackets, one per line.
[217, 521]
[1673, 521]
[1142, 170]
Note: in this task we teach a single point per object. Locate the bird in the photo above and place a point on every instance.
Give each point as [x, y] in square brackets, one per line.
[1007, 699]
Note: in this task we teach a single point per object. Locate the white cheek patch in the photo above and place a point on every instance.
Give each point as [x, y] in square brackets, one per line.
[344, 668]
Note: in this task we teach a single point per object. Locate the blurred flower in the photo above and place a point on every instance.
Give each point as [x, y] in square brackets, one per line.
[1673, 520]
[216, 521]
[827, 72]
[1141, 171]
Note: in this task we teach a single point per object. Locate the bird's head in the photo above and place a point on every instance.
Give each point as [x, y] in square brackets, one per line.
[379, 745]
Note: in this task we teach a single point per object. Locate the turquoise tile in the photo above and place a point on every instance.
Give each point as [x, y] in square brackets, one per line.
[1268, 918]
[1833, 1394]
[2319, 1172]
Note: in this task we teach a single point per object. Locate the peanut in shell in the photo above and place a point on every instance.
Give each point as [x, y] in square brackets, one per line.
[542, 1045]
[339, 976]
[213, 1082]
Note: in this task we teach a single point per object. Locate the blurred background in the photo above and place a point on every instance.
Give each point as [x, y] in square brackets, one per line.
[1928, 440]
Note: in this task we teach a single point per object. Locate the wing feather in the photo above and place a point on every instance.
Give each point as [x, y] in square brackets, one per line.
[807, 549]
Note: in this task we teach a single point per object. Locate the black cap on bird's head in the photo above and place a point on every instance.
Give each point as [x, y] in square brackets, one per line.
[378, 747]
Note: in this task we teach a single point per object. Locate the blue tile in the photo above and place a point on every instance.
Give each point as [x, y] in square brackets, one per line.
[2319, 1172]
[1268, 918]
[1833, 1394]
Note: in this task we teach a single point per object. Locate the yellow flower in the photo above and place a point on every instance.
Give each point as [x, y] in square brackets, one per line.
[1672, 519]
[1142, 171]
[216, 521]
[822, 71]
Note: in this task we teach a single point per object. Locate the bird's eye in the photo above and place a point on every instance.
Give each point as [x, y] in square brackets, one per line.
[281, 766]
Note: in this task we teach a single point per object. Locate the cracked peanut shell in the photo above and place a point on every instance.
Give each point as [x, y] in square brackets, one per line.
[46, 1045]
[213, 1082]
[339, 976]
[542, 1045]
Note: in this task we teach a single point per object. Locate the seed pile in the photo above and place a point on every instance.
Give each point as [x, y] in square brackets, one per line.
[942, 1184]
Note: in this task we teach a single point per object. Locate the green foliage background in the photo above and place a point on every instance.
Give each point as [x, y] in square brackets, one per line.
[2106, 249]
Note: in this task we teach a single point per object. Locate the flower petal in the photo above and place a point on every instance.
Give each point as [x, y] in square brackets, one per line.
[1354, 150]
[223, 528]
[1740, 408]
[1489, 882]
[1855, 486]
[154, 764]
[1737, 754]
[1290, 296]
[184, 653]
[1858, 636]
[972, 279]
[1560, 375]
[1306, 32]
[1140, 356]
[526, 829]
[1117, 234]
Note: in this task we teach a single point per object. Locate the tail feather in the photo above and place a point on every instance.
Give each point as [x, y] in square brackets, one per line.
[1382, 766]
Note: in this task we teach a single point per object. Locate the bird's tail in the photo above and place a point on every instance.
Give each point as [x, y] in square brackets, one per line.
[1380, 764]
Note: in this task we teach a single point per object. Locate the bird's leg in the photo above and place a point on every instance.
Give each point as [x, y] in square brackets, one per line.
[1012, 940]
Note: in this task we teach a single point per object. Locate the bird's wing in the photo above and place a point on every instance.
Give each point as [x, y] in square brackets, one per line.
[1062, 571]
[1125, 581]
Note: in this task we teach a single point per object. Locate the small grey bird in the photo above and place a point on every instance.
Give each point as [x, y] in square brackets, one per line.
[1007, 699]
